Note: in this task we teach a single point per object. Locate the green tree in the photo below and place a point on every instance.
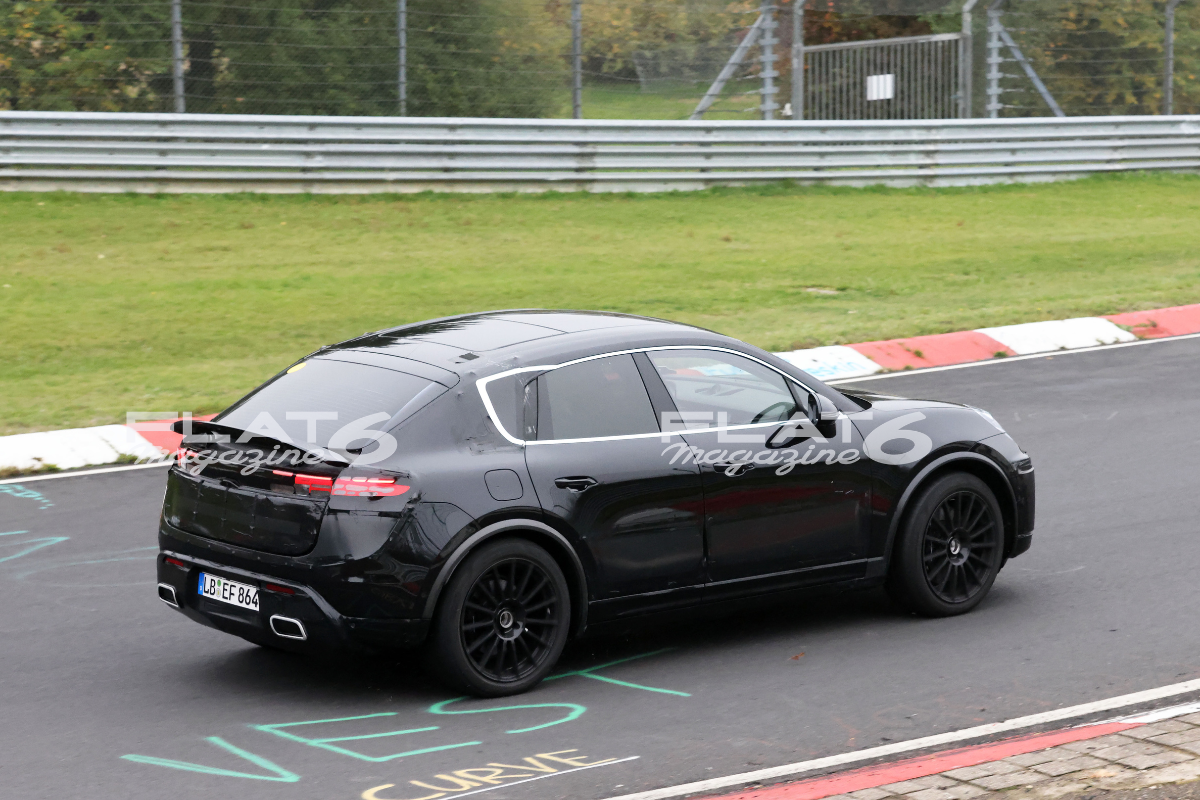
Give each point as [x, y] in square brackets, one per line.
[1101, 57]
[465, 57]
[52, 57]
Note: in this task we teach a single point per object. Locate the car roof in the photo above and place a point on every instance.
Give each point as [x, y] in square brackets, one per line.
[472, 346]
[458, 343]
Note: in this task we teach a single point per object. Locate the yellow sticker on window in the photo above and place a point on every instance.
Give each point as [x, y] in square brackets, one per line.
[296, 368]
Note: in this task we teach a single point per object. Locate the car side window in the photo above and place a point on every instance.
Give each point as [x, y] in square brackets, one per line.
[715, 389]
[601, 397]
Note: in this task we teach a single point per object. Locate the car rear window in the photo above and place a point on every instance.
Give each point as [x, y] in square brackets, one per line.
[601, 397]
[314, 400]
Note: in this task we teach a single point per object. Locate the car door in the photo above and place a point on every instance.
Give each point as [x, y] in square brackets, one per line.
[596, 462]
[786, 501]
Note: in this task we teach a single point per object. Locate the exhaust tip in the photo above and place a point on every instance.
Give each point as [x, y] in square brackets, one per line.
[166, 593]
[288, 628]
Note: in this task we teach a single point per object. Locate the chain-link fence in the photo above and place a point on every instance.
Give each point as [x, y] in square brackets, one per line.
[619, 59]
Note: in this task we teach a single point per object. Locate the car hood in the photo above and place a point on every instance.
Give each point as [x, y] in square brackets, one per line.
[890, 402]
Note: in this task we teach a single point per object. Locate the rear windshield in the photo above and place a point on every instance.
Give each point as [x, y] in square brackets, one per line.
[315, 400]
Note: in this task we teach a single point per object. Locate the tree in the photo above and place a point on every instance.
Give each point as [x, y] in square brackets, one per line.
[1101, 56]
[53, 58]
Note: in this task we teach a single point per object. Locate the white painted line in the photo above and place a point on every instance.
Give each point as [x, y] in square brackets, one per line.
[54, 475]
[1161, 714]
[952, 737]
[1010, 359]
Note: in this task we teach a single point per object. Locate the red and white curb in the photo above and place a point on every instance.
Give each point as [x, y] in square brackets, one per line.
[944, 349]
[936, 763]
[151, 441]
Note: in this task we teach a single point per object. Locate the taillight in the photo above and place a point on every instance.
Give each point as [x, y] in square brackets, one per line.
[315, 483]
[275, 587]
[369, 487]
[175, 562]
[183, 454]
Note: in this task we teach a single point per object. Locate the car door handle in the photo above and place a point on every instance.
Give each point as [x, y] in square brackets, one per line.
[733, 469]
[576, 484]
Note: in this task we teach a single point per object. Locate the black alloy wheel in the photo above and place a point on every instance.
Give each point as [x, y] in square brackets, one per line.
[502, 620]
[949, 548]
[508, 620]
[960, 544]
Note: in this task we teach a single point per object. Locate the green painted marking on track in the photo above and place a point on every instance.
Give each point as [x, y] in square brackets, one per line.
[17, 490]
[279, 773]
[589, 673]
[576, 711]
[327, 742]
[37, 544]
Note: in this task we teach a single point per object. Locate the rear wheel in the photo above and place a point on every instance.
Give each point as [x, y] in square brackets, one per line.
[502, 620]
[950, 548]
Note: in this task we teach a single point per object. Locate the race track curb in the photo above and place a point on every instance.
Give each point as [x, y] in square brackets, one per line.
[145, 441]
[1134, 752]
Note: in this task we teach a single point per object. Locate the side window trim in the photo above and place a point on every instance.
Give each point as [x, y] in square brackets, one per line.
[660, 398]
[481, 385]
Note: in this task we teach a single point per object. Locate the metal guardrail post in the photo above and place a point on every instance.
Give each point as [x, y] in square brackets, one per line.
[402, 41]
[1169, 52]
[177, 55]
[798, 59]
[577, 58]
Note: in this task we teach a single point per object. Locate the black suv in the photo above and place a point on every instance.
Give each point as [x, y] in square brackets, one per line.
[489, 485]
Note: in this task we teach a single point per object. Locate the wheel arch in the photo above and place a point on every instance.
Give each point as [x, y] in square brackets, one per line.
[975, 464]
[533, 531]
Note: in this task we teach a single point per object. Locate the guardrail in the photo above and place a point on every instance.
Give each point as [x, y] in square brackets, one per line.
[230, 153]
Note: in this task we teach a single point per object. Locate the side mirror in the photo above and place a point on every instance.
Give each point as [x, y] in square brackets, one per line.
[825, 410]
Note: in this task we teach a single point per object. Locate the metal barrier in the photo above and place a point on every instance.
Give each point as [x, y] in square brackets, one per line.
[226, 153]
[915, 77]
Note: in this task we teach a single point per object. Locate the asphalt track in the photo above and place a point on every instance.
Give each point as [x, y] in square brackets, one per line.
[94, 668]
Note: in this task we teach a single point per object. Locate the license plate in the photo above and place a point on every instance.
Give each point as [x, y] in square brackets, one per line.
[224, 590]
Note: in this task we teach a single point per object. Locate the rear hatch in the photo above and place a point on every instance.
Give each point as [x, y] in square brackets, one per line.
[259, 476]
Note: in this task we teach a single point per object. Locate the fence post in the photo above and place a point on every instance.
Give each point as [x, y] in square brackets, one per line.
[177, 55]
[1169, 70]
[730, 67]
[767, 57]
[402, 41]
[577, 58]
[798, 59]
[966, 57]
[994, 60]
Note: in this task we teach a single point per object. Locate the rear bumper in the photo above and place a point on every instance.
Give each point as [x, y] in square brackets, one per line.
[324, 628]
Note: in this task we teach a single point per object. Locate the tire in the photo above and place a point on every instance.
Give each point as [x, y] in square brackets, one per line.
[502, 620]
[950, 548]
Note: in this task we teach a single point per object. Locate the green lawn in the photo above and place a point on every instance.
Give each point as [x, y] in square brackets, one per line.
[613, 100]
[159, 303]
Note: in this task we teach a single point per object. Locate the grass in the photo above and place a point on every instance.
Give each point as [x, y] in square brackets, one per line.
[112, 303]
[612, 100]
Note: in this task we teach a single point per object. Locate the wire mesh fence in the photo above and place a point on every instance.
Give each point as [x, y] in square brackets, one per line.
[619, 59]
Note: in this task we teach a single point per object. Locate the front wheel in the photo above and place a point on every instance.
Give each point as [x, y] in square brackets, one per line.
[950, 548]
[502, 620]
